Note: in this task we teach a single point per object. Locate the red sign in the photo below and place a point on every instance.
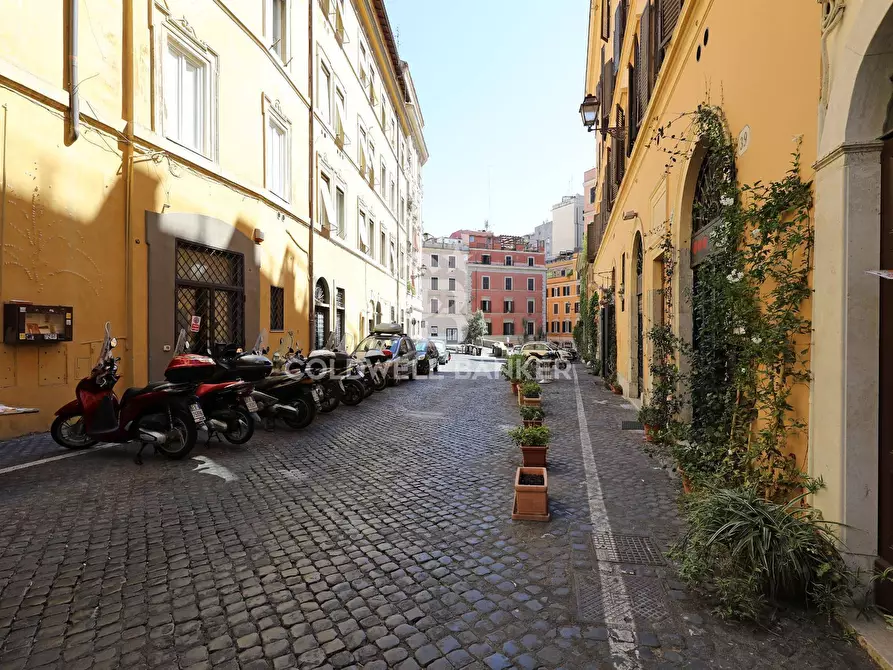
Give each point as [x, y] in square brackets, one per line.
[196, 324]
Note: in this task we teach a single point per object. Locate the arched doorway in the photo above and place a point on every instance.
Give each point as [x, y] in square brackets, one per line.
[320, 314]
[377, 312]
[639, 262]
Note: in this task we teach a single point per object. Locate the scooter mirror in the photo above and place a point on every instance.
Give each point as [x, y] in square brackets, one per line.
[113, 343]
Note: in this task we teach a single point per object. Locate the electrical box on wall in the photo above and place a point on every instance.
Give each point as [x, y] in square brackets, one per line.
[23, 323]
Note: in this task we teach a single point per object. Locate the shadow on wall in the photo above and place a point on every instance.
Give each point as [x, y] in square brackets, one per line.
[54, 255]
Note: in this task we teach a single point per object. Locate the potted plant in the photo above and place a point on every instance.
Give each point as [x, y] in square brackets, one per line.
[530, 394]
[532, 416]
[513, 370]
[531, 495]
[653, 421]
[534, 443]
[616, 388]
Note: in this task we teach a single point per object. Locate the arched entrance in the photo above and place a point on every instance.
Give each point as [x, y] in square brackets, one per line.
[639, 262]
[320, 314]
[852, 386]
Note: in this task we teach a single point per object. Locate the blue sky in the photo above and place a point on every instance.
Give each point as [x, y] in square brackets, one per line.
[499, 83]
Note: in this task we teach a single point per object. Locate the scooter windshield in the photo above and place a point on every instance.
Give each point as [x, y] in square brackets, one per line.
[182, 343]
[259, 342]
[106, 349]
[286, 343]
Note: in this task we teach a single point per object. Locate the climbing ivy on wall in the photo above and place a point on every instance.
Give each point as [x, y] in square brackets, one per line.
[752, 343]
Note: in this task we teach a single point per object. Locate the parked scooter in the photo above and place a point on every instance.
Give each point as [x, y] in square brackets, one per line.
[227, 403]
[342, 367]
[163, 414]
[290, 397]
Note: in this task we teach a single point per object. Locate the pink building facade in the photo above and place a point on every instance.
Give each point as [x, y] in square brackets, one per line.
[508, 283]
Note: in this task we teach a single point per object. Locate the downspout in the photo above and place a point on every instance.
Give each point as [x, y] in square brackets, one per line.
[127, 90]
[74, 103]
[312, 165]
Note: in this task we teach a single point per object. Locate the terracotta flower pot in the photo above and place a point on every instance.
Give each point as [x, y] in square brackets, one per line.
[532, 424]
[531, 402]
[531, 500]
[686, 482]
[649, 432]
[618, 390]
[515, 387]
[534, 457]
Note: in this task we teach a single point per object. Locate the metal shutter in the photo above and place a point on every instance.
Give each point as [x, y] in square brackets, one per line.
[669, 15]
[632, 112]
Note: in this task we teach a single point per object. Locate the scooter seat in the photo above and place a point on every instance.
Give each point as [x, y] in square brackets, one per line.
[134, 391]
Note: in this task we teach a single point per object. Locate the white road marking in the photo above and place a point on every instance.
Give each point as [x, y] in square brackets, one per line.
[50, 459]
[209, 467]
[295, 475]
[598, 517]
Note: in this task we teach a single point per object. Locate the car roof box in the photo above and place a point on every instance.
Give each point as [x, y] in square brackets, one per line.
[388, 328]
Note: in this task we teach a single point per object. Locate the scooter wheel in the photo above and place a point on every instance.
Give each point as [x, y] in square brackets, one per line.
[241, 427]
[306, 414]
[69, 432]
[329, 403]
[353, 392]
[184, 426]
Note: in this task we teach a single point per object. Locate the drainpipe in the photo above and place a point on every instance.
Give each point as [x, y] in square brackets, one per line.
[74, 103]
[127, 75]
[312, 165]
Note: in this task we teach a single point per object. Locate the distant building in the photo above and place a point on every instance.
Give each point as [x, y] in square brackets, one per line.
[445, 288]
[567, 225]
[507, 279]
[562, 298]
[542, 233]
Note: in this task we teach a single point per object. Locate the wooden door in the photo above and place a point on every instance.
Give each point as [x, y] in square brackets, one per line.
[885, 399]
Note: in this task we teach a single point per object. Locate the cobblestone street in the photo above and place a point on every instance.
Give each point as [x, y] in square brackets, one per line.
[378, 537]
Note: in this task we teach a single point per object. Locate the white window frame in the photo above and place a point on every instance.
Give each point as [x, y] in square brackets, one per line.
[363, 243]
[531, 261]
[340, 209]
[531, 284]
[282, 55]
[451, 262]
[324, 203]
[340, 126]
[509, 261]
[531, 306]
[173, 35]
[435, 283]
[383, 175]
[451, 283]
[435, 263]
[273, 115]
[485, 279]
[508, 284]
[326, 114]
[435, 306]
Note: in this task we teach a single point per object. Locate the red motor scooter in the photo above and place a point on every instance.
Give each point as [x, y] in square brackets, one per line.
[162, 414]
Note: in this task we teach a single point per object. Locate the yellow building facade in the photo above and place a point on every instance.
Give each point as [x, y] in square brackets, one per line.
[186, 185]
[768, 78]
[562, 299]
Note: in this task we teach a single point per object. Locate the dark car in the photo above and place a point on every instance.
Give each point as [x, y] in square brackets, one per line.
[397, 347]
[428, 357]
[445, 354]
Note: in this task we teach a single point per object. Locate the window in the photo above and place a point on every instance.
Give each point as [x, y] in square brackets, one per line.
[530, 327]
[339, 213]
[278, 145]
[325, 211]
[554, 326]
[435, 261]
[384, 174]
[276, 27]
[576, 308]
[435, 305]
[508, 283]
[363, 234]
[381, 246]
[567, 308]
[566, 290]
[324, 94]
[402, 209]
[392, 257]
[530, 283]
[489, 327]
[393, 199]
[434, 283]
[530, 261]
[555, 308]
[485, 306]
[592, 194]
[371, 167]
[187, 98]
[508, 260]
[508, 307]
[530, 306]
[452, 283]
[451, 261]
[277, 308]
[508, 327]
[362, 151]
[451, 306]
[485, 259]
[485, 283]
[433, 331]
[452, 334]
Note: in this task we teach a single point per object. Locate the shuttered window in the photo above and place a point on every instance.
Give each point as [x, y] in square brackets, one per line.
[619, 155]
[641, 79]
[649, 51]
[669, 15]
[618, 36]
[608, 90]
[632, 112]
[606, 19]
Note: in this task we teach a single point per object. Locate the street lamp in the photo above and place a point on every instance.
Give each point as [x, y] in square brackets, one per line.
[589, 111]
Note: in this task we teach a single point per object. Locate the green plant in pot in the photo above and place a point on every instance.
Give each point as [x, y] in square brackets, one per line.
[531, 393]
[514, 370]
[532, 416]
[534, 443]
[654, 420]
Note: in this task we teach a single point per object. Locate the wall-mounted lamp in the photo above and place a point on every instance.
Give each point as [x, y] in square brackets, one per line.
[589, 112]
[258, 236]
[630, 215]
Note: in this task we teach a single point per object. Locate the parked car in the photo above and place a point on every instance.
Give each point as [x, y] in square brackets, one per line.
[397, 347]
[541, 351]
[427, 357]
[443, 350]
[564, 354]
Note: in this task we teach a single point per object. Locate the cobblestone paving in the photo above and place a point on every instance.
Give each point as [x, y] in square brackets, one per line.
[379, 537]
